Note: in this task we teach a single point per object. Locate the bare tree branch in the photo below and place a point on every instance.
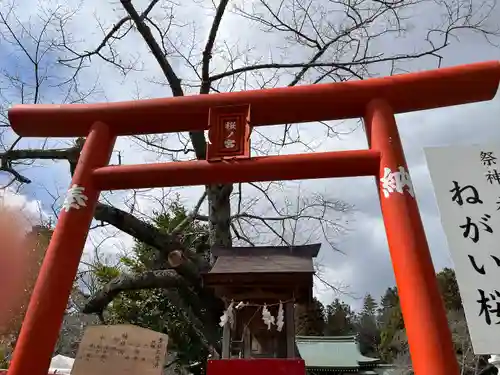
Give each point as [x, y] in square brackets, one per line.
[173, 79]
[190, 217]
[207, 53]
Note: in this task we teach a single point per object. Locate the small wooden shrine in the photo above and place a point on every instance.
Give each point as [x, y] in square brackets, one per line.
[258, 281]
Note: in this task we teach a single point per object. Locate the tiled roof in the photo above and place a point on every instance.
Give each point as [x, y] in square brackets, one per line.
[308, 251]
[265, 264]
[331, 352]
[264, 259]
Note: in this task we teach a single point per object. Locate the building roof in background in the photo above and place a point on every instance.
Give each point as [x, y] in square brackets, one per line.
[332, 352]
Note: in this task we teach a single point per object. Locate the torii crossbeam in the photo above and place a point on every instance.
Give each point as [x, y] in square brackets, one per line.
[375, 100]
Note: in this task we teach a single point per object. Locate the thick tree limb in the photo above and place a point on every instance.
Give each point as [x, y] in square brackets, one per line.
[144, 30]
[219, 206]
[136, 228]
[205, 332]
[169, 281]
[157, 279]
[147, 280]
[7, 158]
[198, 138]
[164, 243]
[219, 215]
[7, 167]
[207, 52]
[146, 233]
[41, 154]
[201, 306]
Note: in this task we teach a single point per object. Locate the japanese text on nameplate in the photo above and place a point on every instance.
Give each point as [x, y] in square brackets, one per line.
[120, 349]
[230, 134]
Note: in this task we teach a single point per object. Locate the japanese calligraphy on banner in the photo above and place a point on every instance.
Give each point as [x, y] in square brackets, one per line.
[466, 182]
[121, 350]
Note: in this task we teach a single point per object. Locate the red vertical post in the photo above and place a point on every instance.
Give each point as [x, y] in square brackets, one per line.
[424, 315]
[49, 300]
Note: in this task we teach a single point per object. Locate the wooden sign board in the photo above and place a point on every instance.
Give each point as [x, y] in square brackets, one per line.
[229, 133]
[466, 183]
[120, 350]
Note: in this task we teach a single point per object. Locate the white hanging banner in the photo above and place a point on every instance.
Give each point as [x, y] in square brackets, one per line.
[466, 182]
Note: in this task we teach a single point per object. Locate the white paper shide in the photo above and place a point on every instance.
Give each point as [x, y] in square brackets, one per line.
[228, 317]
[466, 182]
[75, 198]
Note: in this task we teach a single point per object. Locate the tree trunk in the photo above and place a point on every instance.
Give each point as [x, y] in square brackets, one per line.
[219, 213]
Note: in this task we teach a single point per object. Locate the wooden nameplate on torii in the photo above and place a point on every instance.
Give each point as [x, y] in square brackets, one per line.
[229, 133]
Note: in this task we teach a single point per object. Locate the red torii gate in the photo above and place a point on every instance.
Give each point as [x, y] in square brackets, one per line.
[376, 100]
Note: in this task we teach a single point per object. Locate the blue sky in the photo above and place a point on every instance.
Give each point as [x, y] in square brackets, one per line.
[365, 267]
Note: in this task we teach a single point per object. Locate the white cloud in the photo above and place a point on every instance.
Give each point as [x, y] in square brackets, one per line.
[30, 209]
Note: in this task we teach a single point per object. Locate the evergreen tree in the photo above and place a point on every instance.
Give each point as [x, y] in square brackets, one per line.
[449, 289]
[367, 327]
[393, 346]
[390, 322]
[369, 306]
[340, 319]
[157, 309]
[310, 319]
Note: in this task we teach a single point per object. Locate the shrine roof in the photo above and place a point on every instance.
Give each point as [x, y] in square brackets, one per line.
[287, 259]
[332, 352]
